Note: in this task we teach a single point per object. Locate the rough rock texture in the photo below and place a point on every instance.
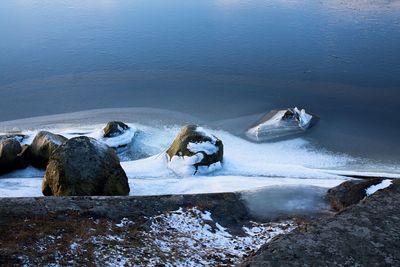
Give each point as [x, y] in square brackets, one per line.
[349, 192]
[83, 166]
[9, 150]
[366, 234]
[190, 134]
[226, 207]
[23, 158]
[43, 145]
[114, 128]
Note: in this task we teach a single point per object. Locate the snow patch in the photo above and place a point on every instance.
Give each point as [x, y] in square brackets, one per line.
[184, 165]
[207, 147]
[124, 222]
[373, 188]
[190, 235]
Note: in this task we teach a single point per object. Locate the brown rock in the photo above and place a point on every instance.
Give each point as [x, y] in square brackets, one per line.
[83, 166]
[350, 192]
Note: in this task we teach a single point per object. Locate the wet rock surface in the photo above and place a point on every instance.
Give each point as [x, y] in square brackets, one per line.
[366, 234]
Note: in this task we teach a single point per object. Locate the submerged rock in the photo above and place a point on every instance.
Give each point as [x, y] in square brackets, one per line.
[280, 123]
[9, 150]
[194, 150]
[83, 166]
[350, 192]
[43, 145]
[114, 128]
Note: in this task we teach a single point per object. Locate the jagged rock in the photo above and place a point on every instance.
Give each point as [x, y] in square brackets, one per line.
[194, 150]
[83, 166]
[114, 128]
[350, 192]
[43, 145]
[9, 150]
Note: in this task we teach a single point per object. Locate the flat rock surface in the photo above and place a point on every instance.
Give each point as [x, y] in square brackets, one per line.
[178, 230]
[367, 234]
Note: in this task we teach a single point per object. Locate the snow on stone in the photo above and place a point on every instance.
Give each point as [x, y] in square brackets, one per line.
[184, 237]
[373, 188]
[123, 139]
[304, 118]
[203, 132]
[124, 222]
[188, 234]
[207, 147]
[184, 165]
[275, 120]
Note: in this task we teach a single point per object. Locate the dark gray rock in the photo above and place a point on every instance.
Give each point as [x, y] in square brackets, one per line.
[22, 160]
[43, 145]
[365, 234]
[114, 128]
[350, 192]
[17, 136]
[83, 166]
[191, 134]
[9, 150]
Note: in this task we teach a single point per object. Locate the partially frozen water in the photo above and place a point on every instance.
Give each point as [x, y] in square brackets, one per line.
[246, 165]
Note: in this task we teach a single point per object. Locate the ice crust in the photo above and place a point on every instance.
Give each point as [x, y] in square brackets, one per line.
[246, 165]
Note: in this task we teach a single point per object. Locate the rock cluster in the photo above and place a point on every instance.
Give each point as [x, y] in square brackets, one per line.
[79, 166]
[84, 166]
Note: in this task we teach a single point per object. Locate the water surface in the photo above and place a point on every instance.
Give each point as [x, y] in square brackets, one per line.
[216, 60]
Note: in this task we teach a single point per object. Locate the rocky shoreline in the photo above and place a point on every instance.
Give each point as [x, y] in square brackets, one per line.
[88, 218]
[128, 231]
[365, 234]
[51, 228]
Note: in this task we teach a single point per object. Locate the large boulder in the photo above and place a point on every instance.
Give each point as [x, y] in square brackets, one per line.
[43, 145]
[350, 192]
[83, 166]
[195, 151]
[114, 128]
[9, 150]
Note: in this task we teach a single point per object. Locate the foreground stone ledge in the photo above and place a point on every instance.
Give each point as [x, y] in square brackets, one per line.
[366, 234]
[227, 207]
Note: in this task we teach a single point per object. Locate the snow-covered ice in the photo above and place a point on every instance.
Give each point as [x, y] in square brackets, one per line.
[246, 165]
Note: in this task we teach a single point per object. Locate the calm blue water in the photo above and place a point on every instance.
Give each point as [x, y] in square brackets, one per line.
[214, 59]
